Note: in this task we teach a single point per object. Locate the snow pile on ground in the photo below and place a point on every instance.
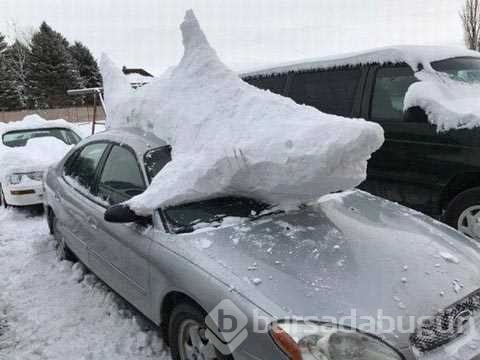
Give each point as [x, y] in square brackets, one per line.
[38, 153]
[229, 138]
[54, 310]
[449, 104]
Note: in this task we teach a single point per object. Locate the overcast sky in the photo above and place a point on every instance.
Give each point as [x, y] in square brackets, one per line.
[246, 33]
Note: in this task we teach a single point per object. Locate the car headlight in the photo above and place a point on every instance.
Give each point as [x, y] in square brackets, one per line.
[325, 341]
[15, 179]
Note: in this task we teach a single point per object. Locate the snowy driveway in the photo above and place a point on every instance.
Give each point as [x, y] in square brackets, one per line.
[53, 310]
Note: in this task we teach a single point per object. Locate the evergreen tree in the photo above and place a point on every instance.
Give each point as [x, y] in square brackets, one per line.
[11, 91]
[51, 70]
[87, 65]
[13, 76]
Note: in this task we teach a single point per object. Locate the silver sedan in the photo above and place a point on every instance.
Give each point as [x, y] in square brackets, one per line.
[351, 276]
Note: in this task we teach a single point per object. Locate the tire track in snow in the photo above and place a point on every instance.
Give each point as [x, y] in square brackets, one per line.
[51, 310]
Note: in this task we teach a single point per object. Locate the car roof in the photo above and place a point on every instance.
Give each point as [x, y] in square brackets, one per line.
[413, 55]
[139, 140]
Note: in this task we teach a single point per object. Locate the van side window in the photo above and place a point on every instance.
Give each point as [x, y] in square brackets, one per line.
[330, 91]
[275, 83]
[391, 85]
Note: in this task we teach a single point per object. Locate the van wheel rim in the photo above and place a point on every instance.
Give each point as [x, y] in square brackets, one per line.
[193, 344]
[469, 222]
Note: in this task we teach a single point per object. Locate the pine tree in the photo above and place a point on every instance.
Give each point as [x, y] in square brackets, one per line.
[12, 89]
[51, 70]
[14, 76]
[87, 65]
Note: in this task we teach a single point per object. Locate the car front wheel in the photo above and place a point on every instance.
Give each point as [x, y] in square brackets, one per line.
[463, 213]
[2, 198]
[187, 335]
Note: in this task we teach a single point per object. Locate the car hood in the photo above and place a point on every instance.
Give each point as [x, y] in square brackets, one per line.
[350, 254]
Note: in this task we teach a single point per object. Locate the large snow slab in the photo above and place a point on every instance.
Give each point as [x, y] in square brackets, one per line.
[229, 138]
[449, 104]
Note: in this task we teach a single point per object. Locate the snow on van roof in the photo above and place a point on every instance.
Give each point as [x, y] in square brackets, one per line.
[413, 55]
[230, 138]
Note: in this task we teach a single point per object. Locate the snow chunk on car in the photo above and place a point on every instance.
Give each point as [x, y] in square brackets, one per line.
[229, 138]
[448, 103]
[37, 153]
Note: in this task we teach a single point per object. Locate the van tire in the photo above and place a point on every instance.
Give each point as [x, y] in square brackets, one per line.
[468, 199]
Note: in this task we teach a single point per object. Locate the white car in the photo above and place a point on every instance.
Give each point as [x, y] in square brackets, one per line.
[27, 149]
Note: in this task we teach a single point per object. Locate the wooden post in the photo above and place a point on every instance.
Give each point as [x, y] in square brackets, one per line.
[94, 112]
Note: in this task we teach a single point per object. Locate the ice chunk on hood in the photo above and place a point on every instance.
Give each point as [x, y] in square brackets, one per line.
[230, 138]
[449, 104]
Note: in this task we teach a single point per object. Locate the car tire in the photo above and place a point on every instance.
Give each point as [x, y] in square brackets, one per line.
[62, 249]
[2, 198]
[463, 213]
[185, 320]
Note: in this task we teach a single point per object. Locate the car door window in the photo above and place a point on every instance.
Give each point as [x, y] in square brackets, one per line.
[82, 166]
[156, 159]
[330, 91]
[391, 85]
[121, 177]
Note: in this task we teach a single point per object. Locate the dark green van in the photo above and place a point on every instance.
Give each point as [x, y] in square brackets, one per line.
[437, 173]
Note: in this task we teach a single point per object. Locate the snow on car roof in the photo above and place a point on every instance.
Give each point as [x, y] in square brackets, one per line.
[35, 122]
[413, 55]
[229, 138]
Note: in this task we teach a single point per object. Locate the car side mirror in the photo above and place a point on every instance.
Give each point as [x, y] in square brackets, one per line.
[121, 213]
[415, 114]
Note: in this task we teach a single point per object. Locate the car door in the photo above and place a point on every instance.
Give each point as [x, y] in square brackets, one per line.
[73, 196]
[119, 253]
[410, 166]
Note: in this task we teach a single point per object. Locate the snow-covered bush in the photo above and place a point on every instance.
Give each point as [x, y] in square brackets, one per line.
[229, 138]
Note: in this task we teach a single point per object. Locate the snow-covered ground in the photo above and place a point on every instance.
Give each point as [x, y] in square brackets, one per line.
[55, 310]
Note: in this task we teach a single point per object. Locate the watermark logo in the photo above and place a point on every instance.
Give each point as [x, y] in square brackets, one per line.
[226, 327]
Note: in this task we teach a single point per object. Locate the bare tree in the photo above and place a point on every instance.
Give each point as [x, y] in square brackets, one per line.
[470, 15]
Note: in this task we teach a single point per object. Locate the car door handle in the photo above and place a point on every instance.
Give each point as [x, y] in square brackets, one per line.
[92, 224]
